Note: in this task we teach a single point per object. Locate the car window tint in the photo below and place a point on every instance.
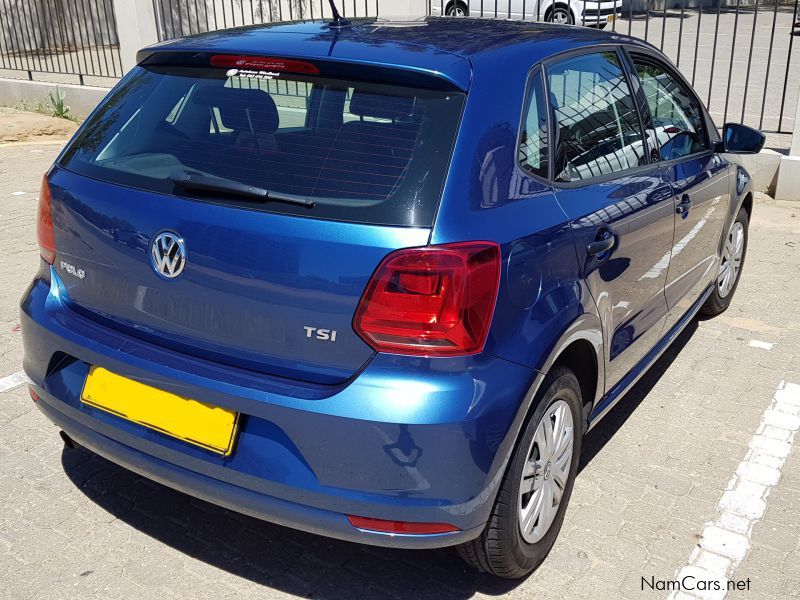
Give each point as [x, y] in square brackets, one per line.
[363, 152]
[290, 97]
[677, 116]
[348, 116]
[598, 129]
[533, 151]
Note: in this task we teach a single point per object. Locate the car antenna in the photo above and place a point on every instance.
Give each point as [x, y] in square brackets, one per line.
[338, 21]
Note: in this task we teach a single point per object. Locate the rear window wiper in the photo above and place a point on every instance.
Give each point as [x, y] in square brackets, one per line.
[202, 183]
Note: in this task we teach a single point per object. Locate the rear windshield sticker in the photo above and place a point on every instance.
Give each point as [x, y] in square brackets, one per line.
[252, 74]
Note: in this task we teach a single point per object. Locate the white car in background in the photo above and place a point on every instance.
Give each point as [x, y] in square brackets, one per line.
[565, 12]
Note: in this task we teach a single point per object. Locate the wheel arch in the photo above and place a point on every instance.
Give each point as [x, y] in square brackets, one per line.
[747, 204]
[579, 347]
[581, 358]
[744, 200]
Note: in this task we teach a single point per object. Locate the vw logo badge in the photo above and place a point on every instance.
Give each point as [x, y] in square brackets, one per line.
[168, 254]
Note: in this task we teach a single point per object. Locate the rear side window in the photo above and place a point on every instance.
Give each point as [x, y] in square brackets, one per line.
[677, 116]
[362, 152]
[597, 126]
[533, 150]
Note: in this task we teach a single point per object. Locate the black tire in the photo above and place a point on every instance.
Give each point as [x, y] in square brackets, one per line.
[457, 9]
[717, 304]
[501, 549]
[550, 17]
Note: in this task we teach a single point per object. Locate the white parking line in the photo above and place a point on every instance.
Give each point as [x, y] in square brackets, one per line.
[725, 542]
[760, 344]
[13, 381]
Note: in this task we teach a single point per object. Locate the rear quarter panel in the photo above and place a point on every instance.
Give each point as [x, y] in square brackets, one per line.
[487, 196]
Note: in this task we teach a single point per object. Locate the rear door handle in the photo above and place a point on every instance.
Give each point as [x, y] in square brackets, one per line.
[682, 208]
[604, 243]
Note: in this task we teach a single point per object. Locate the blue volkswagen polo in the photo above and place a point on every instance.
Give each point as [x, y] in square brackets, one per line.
[376, 280]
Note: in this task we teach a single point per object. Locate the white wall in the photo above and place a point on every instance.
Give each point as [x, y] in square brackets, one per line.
[185, 17]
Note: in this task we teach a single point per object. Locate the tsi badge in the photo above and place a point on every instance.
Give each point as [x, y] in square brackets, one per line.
[324, 335]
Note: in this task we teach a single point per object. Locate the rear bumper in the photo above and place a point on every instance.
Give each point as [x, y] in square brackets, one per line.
[408, 439]
[222, 493]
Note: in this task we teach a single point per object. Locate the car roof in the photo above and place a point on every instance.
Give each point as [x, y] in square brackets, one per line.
[446, 47]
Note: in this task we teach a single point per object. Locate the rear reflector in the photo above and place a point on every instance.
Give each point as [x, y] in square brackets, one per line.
[33, 394]
[431, 301]
[264, 63]
[400, 526]
[44, 224]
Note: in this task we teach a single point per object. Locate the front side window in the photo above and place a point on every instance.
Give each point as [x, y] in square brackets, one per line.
[598, 129]
[533, 151]
[677, 116]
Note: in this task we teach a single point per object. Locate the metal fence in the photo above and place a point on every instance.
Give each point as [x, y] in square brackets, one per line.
[177, 18]
[740, 55]
[65, 37]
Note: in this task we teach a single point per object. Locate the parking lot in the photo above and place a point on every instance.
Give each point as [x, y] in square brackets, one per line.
[664, 472]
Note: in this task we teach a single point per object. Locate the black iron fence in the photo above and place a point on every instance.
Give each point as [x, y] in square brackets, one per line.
[177, 18]
[65, 37]
[739, 55]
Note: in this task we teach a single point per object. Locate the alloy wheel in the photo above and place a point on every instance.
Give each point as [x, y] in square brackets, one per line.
[731, 260]
[546, 471]
[560, 16]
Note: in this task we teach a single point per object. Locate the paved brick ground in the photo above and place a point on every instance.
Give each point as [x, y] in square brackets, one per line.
[73, 525]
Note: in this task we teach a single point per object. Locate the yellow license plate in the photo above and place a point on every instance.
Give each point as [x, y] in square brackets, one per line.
[204, 425]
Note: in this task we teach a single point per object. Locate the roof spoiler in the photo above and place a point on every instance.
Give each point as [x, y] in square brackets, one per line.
[335, 68]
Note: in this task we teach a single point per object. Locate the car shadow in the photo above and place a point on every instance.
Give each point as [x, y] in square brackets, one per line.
[277, 557]
[599, 436]
[300, 563]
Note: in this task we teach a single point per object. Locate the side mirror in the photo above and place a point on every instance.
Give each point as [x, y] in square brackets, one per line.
[741, 139]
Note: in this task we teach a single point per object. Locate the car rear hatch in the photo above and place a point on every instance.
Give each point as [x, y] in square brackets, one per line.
[234, 207]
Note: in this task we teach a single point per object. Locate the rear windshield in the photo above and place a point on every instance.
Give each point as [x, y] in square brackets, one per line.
[362, 152]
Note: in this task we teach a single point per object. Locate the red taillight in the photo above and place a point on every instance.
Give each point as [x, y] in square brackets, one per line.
[431, 301]
[33, 394]
[264, 63]
[400, 526]
[44, 224]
